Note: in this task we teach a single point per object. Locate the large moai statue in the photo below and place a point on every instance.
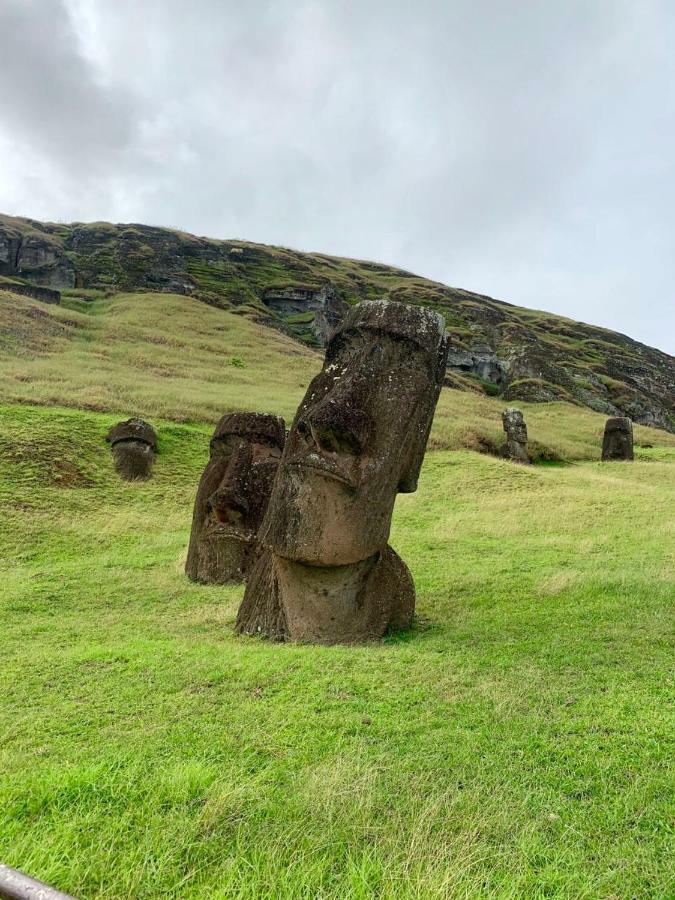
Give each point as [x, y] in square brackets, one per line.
[516, 435]
[232, 496]
[133, 444]
[326, 573]
[617, 442]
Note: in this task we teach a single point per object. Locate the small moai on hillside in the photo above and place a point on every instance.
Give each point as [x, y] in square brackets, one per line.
[325, 572]
[516, 435]
[133, 444]
[617, 442]
[232, 496]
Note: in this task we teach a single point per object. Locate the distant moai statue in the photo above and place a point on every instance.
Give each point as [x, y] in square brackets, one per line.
[516, 435]
[617, 442]
[326, 573]
[232, 496]
[133, 444]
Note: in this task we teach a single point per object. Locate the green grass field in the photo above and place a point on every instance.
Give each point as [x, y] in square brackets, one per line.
[518, 742]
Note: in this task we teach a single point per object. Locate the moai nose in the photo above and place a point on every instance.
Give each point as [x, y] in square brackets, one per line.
[228, 501]
[229, 507]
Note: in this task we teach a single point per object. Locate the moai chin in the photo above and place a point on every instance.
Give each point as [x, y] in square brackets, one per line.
[327, 574]
[133, 444]
[516, 435]
[617, 442]
[232, 496]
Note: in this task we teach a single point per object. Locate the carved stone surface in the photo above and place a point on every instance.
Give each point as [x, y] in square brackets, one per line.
[617, 442]
[516, 435]
[326, 574]
[133, 444]
[232, 496]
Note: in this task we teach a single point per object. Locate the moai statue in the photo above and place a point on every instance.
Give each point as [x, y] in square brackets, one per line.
[326, 573]
[617, 442]
[133, 444]
[232, 496]
[516, 435]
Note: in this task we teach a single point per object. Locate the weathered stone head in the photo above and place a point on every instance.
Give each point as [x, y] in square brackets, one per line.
[516, 435]
[358, 438]
[232, 496]
[617, 442]
[133, 444]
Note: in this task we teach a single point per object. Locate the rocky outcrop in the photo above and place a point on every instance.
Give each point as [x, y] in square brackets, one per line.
[480, 360]
[320, 307]
[36, 257]
[45, 295]
[10, 245]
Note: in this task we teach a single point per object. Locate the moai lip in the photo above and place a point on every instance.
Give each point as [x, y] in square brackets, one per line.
[232, 496]
[516, 435]
[133, 444]
[617, 441]
[327, 574]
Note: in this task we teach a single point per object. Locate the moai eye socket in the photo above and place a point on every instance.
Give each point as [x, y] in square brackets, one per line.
[220, 448]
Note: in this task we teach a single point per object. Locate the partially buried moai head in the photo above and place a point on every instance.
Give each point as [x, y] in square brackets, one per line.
[133, 444]
[232, 496]
[617, 442]
[358, 437]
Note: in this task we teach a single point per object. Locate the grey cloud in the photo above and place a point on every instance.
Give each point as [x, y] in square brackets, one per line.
[522, 149]
[49, 93]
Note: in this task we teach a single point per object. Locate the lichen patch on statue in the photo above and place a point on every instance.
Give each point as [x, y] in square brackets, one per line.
[326, 573]
[133, 444]
[232, 496]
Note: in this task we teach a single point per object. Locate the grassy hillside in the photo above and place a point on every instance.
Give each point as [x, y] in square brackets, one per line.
[514, 744]
[163, 356]
[519, 354]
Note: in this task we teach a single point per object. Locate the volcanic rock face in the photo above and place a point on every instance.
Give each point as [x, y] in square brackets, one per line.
[232, 496]
[323, 302]
[36, 256]
[516, 435]
[133, 444]
[45, 295]
[617, 442]
[480, 360]
[326, 574]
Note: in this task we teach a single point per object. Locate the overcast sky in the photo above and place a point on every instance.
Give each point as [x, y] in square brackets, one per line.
[520, 149]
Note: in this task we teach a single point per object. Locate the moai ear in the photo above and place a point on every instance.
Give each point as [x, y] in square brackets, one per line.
[420, 434]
